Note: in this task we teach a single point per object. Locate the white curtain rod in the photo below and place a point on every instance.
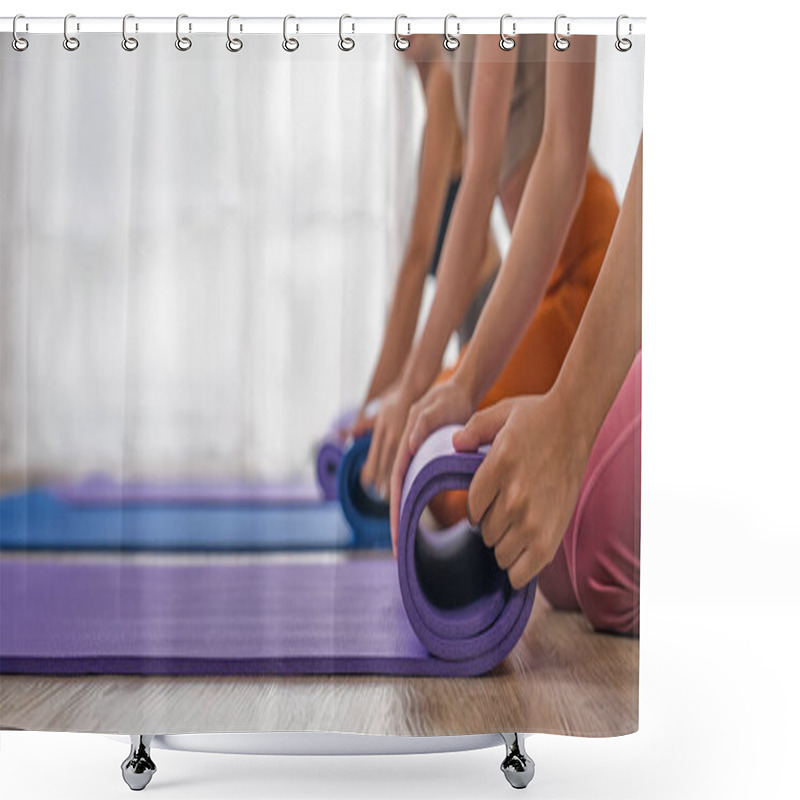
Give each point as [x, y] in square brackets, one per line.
[458, 26]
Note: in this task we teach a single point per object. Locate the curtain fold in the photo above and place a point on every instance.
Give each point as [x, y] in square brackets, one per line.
[198, 250]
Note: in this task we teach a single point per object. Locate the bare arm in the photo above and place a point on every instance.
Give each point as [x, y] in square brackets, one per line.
[438, 148]
[464, 248]
[549, 203]
[526, 490]
[610, 333]
[467, 237]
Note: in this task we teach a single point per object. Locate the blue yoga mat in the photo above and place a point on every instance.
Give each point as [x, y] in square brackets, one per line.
[368, 516]
[38, 520]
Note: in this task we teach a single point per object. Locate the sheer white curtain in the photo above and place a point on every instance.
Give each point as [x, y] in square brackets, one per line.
[196, 249]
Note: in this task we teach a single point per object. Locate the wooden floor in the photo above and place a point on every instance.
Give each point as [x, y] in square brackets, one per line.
[561, 678]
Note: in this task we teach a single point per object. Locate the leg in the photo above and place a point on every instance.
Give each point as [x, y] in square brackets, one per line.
[517, 766]
[601, 545]
[138, 768]
[555, 583]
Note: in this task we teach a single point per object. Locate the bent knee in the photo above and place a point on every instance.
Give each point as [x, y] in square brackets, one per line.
[607, 589]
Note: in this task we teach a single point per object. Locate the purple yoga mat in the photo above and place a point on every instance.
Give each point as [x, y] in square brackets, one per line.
[329, 457]
[102, 490]
[225, 619]
[452, 612]
[330, 452]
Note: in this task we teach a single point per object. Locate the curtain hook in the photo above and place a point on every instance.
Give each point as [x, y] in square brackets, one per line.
[17, 42]
[71, 43]
[506, 42]
[345, 42]
[234, 45]
[623, 45]
[401, 42]
[451, 42]
[129, 43]
[560, 43]
[289, 44]
[183, 43]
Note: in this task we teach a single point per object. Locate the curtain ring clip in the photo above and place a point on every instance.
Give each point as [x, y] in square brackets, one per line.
[623, 44]
[346, 43]
[560, 43]
[289, 43]
[129, 43]
[70, 43]
[234, 45]
[401, 42]
[183, 43]
[17, 42]
[451, 42]
[506, 42]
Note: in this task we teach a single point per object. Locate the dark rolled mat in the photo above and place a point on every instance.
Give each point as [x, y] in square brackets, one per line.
[451, 613]
[367, 514]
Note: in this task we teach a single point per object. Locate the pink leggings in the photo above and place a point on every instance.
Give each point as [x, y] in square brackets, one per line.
[596, 568]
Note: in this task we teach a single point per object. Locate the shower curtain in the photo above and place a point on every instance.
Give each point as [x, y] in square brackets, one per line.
[200, 247]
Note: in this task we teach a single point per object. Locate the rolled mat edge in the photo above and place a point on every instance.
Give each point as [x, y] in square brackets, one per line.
[367, 516]
[481, 633]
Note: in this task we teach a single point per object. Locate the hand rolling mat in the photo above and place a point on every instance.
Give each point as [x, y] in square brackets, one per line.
[38, 520]
[368, 516]
[341, 616]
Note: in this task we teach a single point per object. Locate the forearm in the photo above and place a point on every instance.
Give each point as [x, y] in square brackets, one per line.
[401, 325]
[610, 333]
[462, 257]
[543, 222]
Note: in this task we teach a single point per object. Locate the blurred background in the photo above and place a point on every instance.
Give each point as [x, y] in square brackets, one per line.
[197, 249]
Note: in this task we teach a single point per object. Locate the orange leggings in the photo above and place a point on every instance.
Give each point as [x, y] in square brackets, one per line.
[535, 364]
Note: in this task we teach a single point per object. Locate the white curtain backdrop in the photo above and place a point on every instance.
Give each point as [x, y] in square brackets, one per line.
[197, 249]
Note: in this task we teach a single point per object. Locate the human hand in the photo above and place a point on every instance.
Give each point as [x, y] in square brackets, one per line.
[365, 419]
[444, 404]
[386, 423]
[525, 491]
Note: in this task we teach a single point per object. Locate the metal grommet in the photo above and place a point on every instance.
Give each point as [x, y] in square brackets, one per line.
[345, 42]
[400, 42]
[233, 44]
[129, 43]
[506, 42]
[183, 43]
[560, 43]
[17, 42]
[289, 44]
[623, 45]
[70, 43]
[451, 42]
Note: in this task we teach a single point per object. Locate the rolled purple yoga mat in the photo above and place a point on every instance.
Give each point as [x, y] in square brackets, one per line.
[330, 452]
[329, 457]
[458, 601]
